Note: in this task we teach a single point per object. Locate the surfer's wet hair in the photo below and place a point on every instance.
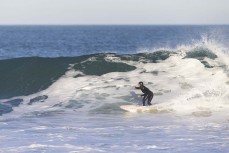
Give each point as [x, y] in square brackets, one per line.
[141, 83]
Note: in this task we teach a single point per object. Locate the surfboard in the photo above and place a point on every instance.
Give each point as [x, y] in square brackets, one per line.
[139, 109]
[146, 109]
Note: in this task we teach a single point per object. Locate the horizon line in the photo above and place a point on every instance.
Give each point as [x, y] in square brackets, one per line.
[114, 24]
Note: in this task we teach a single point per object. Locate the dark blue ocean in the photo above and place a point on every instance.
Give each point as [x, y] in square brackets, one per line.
[62, 88]
[56, 41]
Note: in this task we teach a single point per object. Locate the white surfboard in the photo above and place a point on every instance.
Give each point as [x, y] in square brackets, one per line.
[139, 109]
[146, 109]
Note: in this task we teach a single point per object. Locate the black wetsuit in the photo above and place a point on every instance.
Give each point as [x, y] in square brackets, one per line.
[148, 95]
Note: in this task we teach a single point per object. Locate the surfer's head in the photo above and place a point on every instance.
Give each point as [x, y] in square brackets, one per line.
[140, 83]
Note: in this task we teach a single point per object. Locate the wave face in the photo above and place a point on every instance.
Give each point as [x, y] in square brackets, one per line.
[24, 76]
[191, 80]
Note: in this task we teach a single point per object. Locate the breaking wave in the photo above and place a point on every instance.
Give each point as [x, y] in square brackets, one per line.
[189, 79]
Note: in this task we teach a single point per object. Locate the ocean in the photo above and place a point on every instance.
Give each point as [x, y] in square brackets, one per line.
[61, 88]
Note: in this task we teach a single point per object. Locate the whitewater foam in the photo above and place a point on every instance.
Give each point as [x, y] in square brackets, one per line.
[196, 85]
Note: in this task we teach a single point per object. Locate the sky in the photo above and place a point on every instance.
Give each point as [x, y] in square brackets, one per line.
[114, 12]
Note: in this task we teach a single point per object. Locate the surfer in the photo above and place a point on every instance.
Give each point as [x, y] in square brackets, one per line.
[148, 95]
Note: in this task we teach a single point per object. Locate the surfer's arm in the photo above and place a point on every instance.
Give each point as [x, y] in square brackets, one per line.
[143, 95]
[137, 88]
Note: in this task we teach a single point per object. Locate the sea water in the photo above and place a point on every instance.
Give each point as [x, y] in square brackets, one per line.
[61, 88]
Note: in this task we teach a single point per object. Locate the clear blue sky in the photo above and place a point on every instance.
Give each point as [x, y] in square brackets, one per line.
[114, 11]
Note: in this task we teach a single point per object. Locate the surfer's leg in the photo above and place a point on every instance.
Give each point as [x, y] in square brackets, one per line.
[150, 97]
[149, 100]
[144, 100]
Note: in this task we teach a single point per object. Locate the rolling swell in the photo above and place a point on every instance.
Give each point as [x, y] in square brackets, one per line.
[24, 76]
[28, 75]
